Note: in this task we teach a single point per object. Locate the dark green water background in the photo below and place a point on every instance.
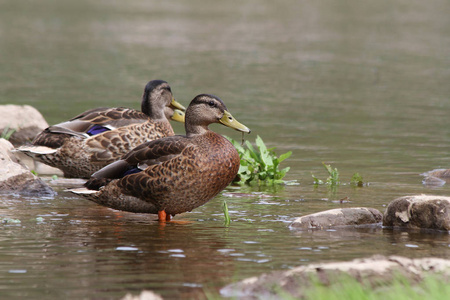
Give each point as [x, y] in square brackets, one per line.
[361, 85]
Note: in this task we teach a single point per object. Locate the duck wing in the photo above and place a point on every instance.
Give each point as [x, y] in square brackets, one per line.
[89, 123]
[140, 158]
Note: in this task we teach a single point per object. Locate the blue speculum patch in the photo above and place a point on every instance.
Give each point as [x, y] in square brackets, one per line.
[132, 171]
[96, 129]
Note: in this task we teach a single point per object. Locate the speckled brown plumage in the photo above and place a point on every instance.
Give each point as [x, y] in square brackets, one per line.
[79, 147]
[55, 136]
[179, 173]
[82, 157]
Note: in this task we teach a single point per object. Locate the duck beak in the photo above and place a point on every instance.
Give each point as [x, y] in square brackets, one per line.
[229, 121]
[176, 105]
[178, 115]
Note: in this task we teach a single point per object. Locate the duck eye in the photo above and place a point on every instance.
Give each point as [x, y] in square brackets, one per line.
[211, 103]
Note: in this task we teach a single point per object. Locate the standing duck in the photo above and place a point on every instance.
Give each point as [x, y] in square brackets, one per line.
[100, 136]
[175, 174]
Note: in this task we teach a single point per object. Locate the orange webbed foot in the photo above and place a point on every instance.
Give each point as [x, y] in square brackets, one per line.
[163, 217]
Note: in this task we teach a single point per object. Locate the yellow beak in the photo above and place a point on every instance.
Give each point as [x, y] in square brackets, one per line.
[176, 105]
[229, 121]
[178, 115]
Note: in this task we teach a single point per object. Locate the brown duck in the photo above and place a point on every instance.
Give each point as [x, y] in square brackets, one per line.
[175, 174]
[99, 136]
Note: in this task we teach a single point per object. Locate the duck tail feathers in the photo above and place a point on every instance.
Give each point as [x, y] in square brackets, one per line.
[82, 191]
[36, 150]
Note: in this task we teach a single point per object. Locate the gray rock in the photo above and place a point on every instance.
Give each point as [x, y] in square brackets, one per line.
[420, 211]
[437, 177]
[25, 120]
[439, 173]
[377, 271]
[145, 295]
[15, 178]
[339, 217]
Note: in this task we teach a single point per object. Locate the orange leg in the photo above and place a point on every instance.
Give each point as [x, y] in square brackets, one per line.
[163, 217]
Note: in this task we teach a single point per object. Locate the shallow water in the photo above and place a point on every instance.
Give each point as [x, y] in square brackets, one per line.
[362, 86]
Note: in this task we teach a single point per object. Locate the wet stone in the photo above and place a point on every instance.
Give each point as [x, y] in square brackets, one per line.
[15, 178]
[419, 211]
[437, 177]
[25, 120]
[339, 217]
[144, 295]
[377, 271]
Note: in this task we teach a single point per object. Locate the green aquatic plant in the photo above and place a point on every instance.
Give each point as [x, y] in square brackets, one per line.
[226, 214]
[333, 178]
[7, 220]
[357, 180]
[7, 133]
[259, 165]
[431, 287]
[400, 288]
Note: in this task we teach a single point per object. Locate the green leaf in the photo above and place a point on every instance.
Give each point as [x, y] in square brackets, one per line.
[226, 214]
[316, 180]
[259, 164]
[7, 133]
[259, 142]
[284, 156]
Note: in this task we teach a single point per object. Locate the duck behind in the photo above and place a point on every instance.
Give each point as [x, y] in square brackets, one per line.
[99, 136]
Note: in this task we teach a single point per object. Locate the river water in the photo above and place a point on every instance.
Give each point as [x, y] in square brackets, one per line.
[360, 85]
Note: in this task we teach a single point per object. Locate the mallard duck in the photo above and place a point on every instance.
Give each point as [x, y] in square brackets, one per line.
[99, 136]
[174, 174]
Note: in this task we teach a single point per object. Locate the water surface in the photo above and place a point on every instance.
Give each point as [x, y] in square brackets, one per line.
[359, 85]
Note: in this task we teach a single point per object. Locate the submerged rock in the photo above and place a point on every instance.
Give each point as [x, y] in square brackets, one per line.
[437, 177]
[24, 120]
[15, 178]
[339, 217]
[420, 211]
[377, 271]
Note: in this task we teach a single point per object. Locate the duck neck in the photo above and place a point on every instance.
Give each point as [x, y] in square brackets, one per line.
[192, 130]
[153, 112]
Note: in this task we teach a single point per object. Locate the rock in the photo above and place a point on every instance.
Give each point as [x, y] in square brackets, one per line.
[5, 151]
[339, 217]
[145, 295]
[420, 211]
[377, 271]
[437, 177]
[15, 178]
[433, 181]
[439, 173]
[24, 119]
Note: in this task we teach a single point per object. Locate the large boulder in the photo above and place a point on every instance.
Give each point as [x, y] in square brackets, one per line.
[339, 217]
[377, 271]
[24, 120]
[15, 178]
[419, 211]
